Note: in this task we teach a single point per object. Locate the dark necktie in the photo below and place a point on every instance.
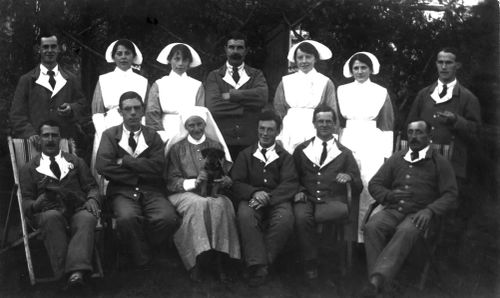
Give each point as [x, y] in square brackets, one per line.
[323, 154]
[443, 92]
[52, 81]
[414, 155]
[263, 151]
[54, 167]
[236, 75]
[131, 141]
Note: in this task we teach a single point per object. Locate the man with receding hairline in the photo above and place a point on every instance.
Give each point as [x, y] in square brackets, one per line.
[47, 92]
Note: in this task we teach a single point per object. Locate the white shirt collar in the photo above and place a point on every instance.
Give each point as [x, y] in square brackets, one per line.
[268, 149]
[44, 70]
[230, 67]
[46, 157]
[439, 88]
[64, 165]
[127, 132]
[365, 83]
[311, 73]
[196, 142]
[421, 155]
[450, 85]
[176, 75]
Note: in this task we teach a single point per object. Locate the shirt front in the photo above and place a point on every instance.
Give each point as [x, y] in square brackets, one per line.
[315, 149]
[439, 89]
[44, 77]
[228, 78]
[421, 155]
[44, 167]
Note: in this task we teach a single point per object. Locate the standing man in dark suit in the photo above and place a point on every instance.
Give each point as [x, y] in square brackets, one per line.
[59, 191]
[264, 182]
[47, 92]
[131, 157]
[324, 167]
[451, 109]
[235, 95]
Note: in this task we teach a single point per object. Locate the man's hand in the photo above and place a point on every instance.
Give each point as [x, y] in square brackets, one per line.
[300, 197]
[93, 207]
[446, 117]
[259, 199]
[226, 96]
[225, 181]
[64, 110]
[34, 139]
[343, 178]
[43, 203]
[119, 161]
[422, 218]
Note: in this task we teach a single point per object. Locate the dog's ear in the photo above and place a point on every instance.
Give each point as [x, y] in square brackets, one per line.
[220, 153]
[205, 152]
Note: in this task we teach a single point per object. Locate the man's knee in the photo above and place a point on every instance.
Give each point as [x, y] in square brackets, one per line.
[407, 230]
[282, 217]
[50, 218]
[84, 219]
[164, 216]
[245, 212]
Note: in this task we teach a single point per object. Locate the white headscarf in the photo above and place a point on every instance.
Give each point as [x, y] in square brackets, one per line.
[211, 129]
[376, 65]
[323, 51]
[109, 56]
[163, 56]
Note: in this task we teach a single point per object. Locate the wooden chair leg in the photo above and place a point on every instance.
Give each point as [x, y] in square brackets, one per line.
[7, 220]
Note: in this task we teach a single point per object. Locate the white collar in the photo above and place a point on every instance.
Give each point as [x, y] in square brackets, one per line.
[240, 67]
[311, 73]
[127, 132]
[44, 70]
[268, 149]
[450, 85]
[330, 142]
[365, 83]
[196, 142]
[120, 71]
[421, 155]
[44, 167]
[315, 148]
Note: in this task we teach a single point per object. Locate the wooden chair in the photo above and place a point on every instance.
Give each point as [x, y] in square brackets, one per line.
[22, 151]
[431, 238]
[341, 229]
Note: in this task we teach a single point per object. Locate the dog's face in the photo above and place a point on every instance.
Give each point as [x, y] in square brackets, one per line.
[213, 157]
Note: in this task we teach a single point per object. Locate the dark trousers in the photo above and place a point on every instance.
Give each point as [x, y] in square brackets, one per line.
[389, 237]
[307, 215]
[73, 255]
[149, 220]
[264, 232]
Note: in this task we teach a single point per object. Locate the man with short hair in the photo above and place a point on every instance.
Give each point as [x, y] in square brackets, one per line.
[324, 167]
[131, 157]
[415, 186]
[235, 95]
[59, 192]
[264, 182]
[451, 109]
[47, 92]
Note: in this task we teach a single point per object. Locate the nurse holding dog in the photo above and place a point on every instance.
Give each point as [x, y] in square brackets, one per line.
[208, 229]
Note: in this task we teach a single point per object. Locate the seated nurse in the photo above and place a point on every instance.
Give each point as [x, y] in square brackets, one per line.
[208, 228]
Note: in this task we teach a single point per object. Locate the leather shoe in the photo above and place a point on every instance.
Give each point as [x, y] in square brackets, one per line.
[370, 291]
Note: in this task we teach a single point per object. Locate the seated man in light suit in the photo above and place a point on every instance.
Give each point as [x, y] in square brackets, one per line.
[131, 157]
[324, 167]
[415, 186]
[59, 191]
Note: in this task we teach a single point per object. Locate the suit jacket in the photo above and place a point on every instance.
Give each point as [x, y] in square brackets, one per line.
[465, 130]
[237, 118]
[78, 182]
[135, 174]
[32, 104]
[319, 183]
[278, 177]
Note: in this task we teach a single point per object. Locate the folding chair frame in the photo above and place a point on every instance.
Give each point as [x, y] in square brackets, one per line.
[66, 145]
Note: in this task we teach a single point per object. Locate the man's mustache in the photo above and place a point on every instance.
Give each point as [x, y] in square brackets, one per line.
[236, 56]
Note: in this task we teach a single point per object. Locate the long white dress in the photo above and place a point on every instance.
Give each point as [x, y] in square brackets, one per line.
[105, 103]
[368, 133]
[295, 99]
[167, 97]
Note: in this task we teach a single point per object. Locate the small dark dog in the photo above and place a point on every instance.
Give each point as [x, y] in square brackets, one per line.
[68, 202]
[213, 167]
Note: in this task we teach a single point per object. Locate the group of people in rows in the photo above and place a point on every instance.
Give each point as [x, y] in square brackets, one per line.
[280, 169]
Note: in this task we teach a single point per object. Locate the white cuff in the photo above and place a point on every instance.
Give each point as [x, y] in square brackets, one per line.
[189, 184]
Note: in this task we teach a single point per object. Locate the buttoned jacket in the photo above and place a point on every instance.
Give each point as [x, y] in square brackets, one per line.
[136, 174]
[277, 177]
[465, 130]
[237, 117]
[79, 182]
[33, 104]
